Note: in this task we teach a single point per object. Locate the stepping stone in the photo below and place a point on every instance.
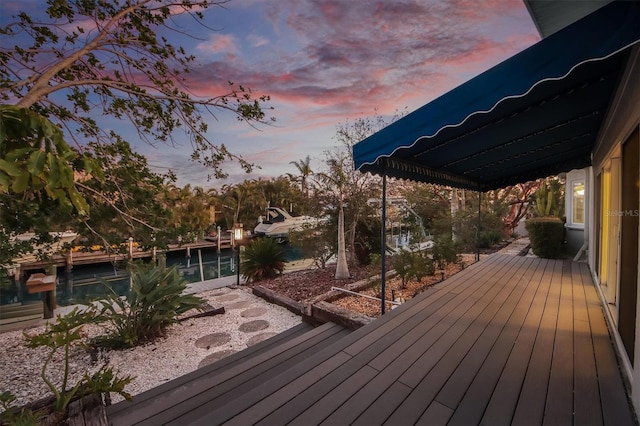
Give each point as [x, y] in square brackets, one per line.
[238, 305]
[215, 339]
[251, 326]
[253, 312]
[227, 298]
[216, 356]
[260, 337]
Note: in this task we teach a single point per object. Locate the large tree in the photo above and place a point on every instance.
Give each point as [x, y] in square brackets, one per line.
[77, 60]
[304, 171]
[336, 183]
[347, 187]
[69, 66]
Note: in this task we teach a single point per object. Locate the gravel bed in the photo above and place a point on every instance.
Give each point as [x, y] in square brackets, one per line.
[154, 363]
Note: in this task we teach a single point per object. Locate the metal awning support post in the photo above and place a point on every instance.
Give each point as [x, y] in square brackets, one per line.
[478, 228]
[383, 237]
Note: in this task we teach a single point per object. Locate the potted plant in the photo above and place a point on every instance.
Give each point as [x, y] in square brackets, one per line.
[546, 228]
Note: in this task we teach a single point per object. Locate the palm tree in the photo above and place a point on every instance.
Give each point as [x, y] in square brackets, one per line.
[304, 169]
[336, 180]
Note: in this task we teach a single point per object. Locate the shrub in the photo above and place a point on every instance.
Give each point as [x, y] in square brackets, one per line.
[545, 234]
[444, 251]
[64, 334]
[154, 302]
[422, 266]
[489, 238]
[367, 241]
[263, 258]
[12, 415]
[402, 263]
[316, 242]
[409, 265]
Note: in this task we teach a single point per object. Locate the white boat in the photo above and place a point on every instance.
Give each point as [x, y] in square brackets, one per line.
[279, 222]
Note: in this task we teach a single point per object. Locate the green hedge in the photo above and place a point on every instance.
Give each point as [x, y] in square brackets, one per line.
[545, 234]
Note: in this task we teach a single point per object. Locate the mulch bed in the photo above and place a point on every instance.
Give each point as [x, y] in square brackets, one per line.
[393, 287]
[303, 285]
[307, 284]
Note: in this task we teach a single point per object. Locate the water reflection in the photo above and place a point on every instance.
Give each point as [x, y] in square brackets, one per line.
[86, 282]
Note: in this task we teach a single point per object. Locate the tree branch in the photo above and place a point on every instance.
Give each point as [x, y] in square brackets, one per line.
[116, 208]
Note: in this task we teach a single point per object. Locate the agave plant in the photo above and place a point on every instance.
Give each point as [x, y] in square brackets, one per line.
[263, 258]
[155, 301]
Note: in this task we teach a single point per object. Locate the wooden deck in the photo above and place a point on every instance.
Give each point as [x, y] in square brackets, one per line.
[509, 340]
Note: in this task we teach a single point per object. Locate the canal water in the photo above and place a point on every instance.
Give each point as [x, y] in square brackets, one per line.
[87, 282]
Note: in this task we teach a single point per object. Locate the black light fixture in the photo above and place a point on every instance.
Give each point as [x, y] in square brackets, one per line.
[237, 238]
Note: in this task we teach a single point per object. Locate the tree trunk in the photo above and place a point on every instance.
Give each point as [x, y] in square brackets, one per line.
[342, 269]
[352, 239]
[454, 210]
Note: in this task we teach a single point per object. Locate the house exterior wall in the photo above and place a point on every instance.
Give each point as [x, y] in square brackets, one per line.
[622, 121]
[575, 235]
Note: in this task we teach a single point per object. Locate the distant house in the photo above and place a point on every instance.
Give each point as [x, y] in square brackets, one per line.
[569, 104]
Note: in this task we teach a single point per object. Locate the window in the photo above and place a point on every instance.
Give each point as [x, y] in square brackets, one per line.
[577, 213]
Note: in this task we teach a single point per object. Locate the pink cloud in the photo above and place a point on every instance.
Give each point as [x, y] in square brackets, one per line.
[257, 41]
[219, 43]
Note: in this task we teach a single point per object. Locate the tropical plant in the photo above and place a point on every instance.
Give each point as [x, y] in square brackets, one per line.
[304, 169]
[35, 159]
[37, 180]
[262, 258]
[13, 415]
[336, 180]
[63, 334]
[155, 301]
[347, 190]
[190, 209]
[546, 230]
[549, 199]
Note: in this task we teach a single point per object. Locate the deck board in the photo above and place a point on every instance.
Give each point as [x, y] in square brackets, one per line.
[471, 408]
[426, 349]
[586, 395]
[214, 384]
[369, 412]
[509, 340]
[401, 354]
[452, 393]
[531, 403]
[559, 405]
[614, 400]
[153, 395]
[504, 398]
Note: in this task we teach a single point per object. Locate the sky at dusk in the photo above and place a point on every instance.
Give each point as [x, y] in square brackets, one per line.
[328, 62]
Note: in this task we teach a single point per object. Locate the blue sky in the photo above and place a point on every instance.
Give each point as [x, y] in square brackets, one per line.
[328, 62]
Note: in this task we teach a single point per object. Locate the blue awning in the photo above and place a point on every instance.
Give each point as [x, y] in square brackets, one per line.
[534, 115]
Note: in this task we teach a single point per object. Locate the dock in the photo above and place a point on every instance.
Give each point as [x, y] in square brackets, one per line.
[70, 259]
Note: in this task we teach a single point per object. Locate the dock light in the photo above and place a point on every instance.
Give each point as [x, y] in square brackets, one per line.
[130, 247]
[237, 238]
